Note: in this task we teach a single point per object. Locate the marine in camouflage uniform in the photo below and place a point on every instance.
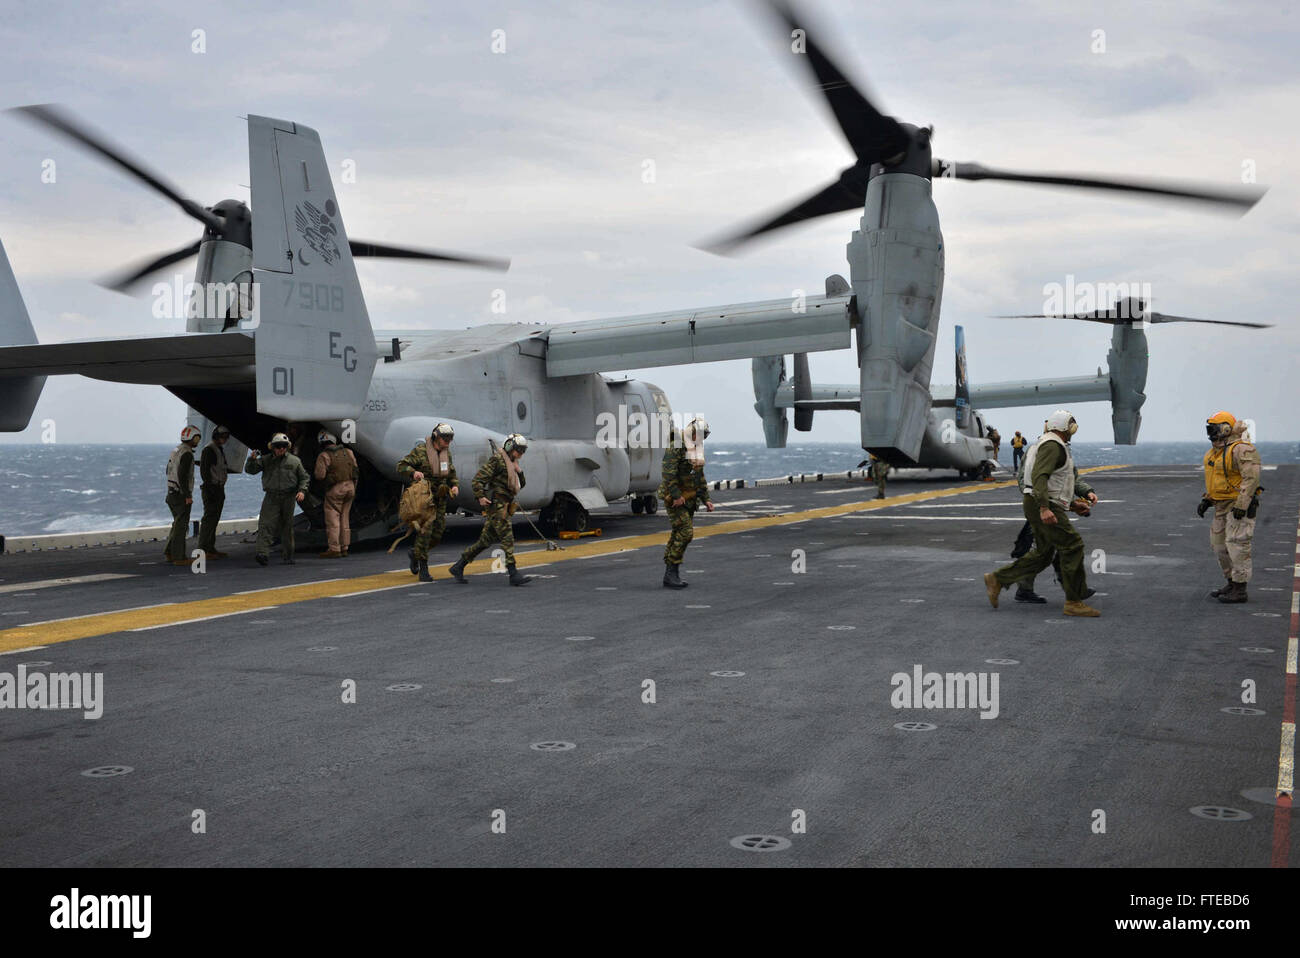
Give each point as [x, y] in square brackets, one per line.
[284, 483]
[683, 488]
[492, 483]
[879, 471]
[180, 494]
[441, 477]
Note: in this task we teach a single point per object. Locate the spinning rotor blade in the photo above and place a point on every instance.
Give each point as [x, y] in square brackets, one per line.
[836, 198]
[873, 136]
[1112, 318]
[1242, 198]
[366, 248]
[56, 119]
[124, 281]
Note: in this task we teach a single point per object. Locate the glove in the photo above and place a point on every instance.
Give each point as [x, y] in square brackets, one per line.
[1238, 513]
[1205, 504]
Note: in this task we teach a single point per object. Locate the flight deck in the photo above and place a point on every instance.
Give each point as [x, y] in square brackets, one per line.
[337, 712]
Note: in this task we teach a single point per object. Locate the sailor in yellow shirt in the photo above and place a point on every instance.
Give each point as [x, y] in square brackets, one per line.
[1232, 489]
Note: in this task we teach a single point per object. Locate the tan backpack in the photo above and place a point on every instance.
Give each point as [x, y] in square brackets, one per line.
[417, 509]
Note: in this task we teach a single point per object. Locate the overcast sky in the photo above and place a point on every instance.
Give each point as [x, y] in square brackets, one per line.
[537, 153]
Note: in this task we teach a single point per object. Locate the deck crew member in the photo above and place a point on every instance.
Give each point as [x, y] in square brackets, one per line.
[682, 487]
[1051, 493]
[284, 482]
[336, 466]
[495, 486]
[430, 461]
[1018, 444]
[212, 487]
[180, 493]
[1232, 488]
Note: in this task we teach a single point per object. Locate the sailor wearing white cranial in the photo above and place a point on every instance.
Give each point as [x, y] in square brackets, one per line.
[947, 690]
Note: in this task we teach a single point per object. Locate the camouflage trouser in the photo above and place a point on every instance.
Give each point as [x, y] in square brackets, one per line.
[1230, 539]
[683, 531]
[431, 536]
[175, 548]
[276, 519]
[495, 529]
[214, 500]
[1060, 539]
[879, 474]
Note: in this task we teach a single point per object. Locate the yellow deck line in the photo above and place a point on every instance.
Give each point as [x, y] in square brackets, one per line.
[105, 623]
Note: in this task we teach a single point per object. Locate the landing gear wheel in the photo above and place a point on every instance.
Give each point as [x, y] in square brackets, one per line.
[577, 517]
[651, 505]
[638, 505]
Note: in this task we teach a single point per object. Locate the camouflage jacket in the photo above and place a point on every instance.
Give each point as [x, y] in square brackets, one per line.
[279, 473]
[417, 460]
[681, 479]
[492, 481]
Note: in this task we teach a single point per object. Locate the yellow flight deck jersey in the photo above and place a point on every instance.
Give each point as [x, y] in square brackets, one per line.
[1223, 479]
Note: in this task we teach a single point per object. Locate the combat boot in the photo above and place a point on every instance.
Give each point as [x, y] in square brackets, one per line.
[1222, 590]
[423, 569]
[1075, 607]
[415, 563]
[992, 587]
[880, 495]
[672, 580]
[331, 554]
[1029, 595]
[1236, 592]
[458, 571]
[517, 577]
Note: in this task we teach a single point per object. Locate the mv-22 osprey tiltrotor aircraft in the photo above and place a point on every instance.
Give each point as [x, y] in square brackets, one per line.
[310, 356]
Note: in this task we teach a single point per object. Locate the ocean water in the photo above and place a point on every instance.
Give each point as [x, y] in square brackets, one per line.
[78, 488]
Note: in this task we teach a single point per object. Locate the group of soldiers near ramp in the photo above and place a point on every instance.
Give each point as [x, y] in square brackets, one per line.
[1047, 478]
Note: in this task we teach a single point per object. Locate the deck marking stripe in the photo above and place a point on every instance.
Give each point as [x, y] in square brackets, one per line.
[105, 623]
[72, 580]
[1286, 748]
[206, 618]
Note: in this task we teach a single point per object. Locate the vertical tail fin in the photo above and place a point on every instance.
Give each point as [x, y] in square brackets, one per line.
[18, 394]
[962, 393]
[315, 348]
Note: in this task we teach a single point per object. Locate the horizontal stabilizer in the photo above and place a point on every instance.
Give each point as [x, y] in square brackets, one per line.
[183, 359]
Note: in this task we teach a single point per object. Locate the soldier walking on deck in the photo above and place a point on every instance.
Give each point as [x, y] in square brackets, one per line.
[336, 466]
[180, 494]
[430, 461]
[212, 486]
[1051, 492]
[495, 486]
[1232, 467]
[1025, 540]
[682, 487]
[284, 482]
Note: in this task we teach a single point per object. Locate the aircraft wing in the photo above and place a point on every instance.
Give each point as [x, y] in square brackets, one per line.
[184, 359]
[742, 331]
